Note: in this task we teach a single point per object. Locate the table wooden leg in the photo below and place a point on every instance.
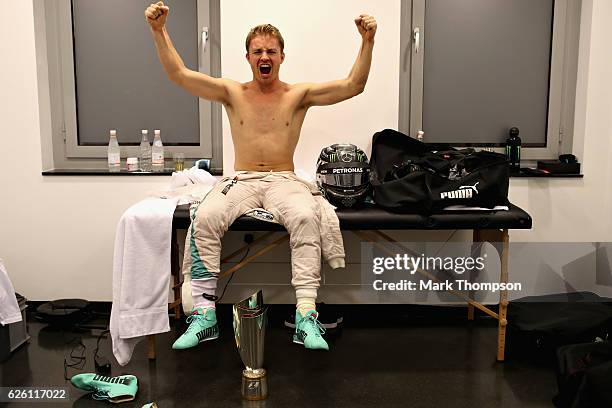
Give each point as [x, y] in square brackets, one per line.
[175, 270]
[151, 346]
[503, 298]
[476, 238]
[470, 312]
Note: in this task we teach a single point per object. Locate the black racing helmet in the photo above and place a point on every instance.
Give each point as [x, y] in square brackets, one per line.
[343, 175]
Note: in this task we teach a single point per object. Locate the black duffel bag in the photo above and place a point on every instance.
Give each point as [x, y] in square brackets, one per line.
[583, 375]
[410, 176]
[539, 325]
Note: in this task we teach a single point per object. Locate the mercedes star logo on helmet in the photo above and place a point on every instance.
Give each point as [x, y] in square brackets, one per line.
[346, 156]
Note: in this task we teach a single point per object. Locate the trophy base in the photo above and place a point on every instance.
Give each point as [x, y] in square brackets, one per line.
[254, 384]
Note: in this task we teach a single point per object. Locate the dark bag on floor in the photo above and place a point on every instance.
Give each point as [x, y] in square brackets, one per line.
[584, 375]
[411, 176]
[538, 325]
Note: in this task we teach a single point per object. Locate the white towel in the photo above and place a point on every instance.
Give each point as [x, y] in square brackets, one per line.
[189, 186]
[141, 275]
[191, 176]
[9, 308]
[141, 265]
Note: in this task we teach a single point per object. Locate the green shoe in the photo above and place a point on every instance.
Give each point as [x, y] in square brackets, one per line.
[202, 327]
[113, 389]
[308, 331]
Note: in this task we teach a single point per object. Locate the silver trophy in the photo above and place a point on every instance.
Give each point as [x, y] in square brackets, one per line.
[250, 319]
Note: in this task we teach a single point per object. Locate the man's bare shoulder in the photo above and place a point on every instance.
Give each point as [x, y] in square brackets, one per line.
[234, 90]
[302, 86]
[293, 88]
[232, 84]
[300, 89]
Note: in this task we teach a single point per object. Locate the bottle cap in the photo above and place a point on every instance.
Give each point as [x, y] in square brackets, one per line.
[157, 131]
[145, 131]
[113, 132]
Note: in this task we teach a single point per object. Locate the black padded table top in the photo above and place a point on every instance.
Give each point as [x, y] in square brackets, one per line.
[375, 218]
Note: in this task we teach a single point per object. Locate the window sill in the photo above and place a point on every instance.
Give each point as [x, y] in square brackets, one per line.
[105, 172]
[530, 173]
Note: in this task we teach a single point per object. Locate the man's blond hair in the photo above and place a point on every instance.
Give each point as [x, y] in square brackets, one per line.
[265, 29]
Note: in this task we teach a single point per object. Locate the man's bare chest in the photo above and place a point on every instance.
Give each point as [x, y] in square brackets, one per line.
[274, 112]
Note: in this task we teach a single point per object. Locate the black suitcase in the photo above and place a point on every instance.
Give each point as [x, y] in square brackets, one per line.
[584, 375]
[538, 325]
[410, 176]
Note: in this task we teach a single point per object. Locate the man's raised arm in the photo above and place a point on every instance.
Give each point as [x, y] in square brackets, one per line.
[196, 83]
[332, 92]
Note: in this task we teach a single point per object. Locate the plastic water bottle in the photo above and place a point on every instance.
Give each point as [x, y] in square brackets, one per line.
[157, 153]
[145, 152]
[114, 153]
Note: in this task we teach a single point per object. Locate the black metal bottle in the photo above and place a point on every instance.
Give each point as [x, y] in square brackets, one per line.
[513, 149]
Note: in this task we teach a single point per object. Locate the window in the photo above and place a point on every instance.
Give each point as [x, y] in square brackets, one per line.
[471, 69]
[103, 73]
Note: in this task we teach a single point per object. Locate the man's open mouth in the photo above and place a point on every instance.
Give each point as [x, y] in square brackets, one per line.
[265, 68]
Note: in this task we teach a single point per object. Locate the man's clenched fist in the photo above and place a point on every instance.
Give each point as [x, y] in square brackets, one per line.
[156, 15]
[366, 25]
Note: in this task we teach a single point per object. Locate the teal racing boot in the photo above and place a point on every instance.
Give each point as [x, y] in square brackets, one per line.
[113, 389]
[202, 327]
[308, 331]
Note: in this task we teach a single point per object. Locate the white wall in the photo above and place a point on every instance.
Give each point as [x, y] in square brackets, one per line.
[56, 233]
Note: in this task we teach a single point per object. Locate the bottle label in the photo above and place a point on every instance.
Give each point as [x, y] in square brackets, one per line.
[157, 158]
[114, 159]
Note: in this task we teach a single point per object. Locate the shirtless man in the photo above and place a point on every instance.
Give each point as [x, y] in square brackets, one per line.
[266, 117]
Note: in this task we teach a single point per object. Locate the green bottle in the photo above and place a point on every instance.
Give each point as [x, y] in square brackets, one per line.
[513, 149]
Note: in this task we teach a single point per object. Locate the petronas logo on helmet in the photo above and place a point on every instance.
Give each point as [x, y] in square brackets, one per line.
[348, 170]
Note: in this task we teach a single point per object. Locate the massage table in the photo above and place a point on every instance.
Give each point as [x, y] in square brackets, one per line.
[368, 224]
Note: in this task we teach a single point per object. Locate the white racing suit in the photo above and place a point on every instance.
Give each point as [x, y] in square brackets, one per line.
[296, 204]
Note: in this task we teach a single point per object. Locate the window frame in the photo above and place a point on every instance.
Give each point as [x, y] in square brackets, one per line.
[55, 31]
[562, 80]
